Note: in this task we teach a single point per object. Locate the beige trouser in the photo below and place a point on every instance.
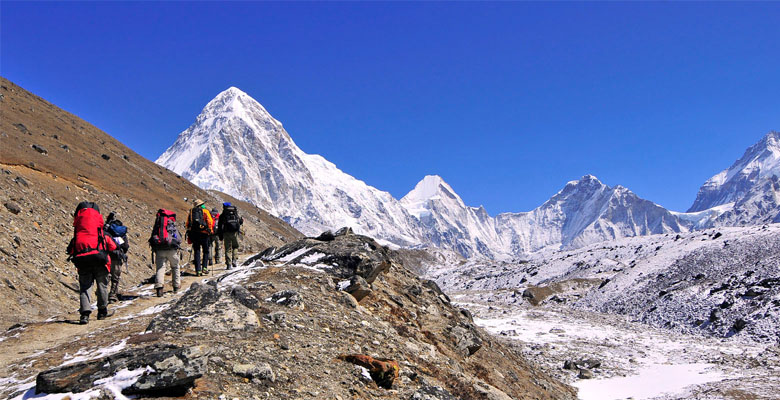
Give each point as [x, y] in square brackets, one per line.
[172, 256]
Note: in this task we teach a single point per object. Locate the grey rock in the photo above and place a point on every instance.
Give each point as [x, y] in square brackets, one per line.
[358, 287]
[173, 371]
[40, 149]
[287, 298]
[263, 372]
[13, 207]
[467, 339]
[205, 307]
[348, 255]
[245, 297]
[344, 231]
[585, 374]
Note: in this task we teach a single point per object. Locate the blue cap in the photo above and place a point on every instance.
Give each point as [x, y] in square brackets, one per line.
[226, 204]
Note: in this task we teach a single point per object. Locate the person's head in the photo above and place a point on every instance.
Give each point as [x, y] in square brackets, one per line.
[214, 211]
[225, 205]
[110, 216]
[198, 203]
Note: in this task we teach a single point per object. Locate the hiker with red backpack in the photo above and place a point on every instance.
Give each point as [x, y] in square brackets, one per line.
[89, 250]
[228, 229]
[199, 227]
[165, 242]
[213, 240]
[118, 233]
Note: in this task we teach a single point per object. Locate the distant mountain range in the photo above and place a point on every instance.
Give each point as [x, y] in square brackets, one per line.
[237, 147]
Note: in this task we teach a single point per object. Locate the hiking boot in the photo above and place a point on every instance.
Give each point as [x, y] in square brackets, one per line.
[84, 319]
[205, 271]
[175, 289]
[159, 292]
[113, 298]
[103, 314]
[234, 265]
[199, 273]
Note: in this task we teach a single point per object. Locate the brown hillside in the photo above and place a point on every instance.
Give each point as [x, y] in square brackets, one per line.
[49, 161]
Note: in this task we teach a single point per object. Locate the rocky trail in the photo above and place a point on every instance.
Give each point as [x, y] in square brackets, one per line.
[27, 348]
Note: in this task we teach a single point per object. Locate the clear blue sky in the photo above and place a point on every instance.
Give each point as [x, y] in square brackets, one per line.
[506, 101]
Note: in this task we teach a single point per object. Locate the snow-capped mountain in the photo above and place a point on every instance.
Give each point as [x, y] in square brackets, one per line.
[237, 147]
[448, 223]
[584, 212]
[760, 161]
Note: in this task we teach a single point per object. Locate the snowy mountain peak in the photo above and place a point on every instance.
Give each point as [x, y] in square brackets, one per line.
[760, 161]
[431, 188]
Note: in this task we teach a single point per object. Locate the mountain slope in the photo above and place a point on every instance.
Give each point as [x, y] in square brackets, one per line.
[760, 161]
[75, 161]
[235, 146]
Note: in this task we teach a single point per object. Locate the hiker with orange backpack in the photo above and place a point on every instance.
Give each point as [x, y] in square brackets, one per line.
[165, 241]
[199, 226]
[213, 239]
[89, 250]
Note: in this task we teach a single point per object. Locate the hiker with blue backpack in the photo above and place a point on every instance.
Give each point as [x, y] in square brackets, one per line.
[165, 242]
[118, 233]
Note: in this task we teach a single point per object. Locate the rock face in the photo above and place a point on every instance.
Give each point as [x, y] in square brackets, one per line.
[344, 256]
[161, 369]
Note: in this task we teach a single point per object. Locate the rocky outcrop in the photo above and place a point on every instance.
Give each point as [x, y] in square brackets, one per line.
[207, 308]
[160, 369]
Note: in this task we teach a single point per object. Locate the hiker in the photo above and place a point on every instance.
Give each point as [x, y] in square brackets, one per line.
[228, 228]
[199, 227]
[118, 232]
[165, 242]
[214, 240]
[89, 250]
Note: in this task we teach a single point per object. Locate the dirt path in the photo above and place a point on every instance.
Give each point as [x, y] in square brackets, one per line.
[33, 347]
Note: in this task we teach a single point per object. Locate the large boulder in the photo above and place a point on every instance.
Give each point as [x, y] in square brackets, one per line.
[206, 307]
[343, 255]
[163, 369]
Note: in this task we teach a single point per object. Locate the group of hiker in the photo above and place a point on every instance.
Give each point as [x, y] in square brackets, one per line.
[99, 248]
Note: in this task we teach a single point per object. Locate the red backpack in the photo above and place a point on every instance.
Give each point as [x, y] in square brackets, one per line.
[164, 234]
[88, 246]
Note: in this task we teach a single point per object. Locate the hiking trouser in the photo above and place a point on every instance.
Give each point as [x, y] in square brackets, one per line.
[231, 247]
[213, 250]
[200, 247]
[116, 272]
[172, 257]
[89, 274]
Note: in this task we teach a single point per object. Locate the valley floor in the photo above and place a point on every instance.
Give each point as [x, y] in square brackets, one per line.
[637, 361]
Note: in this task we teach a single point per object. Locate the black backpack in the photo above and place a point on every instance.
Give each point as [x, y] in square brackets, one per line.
[232, 220]
[197, 220]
